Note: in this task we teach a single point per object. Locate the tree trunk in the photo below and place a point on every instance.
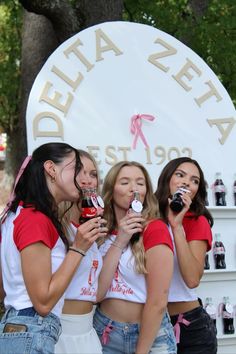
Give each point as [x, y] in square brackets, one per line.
[199, 7]
[99, 11]
[38, 42]
[46, 24]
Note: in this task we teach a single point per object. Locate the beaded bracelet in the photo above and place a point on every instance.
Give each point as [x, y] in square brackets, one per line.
[114, 243]
[78, 250]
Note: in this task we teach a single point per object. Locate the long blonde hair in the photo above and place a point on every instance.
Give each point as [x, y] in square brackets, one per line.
[150, 209]
[65, 207]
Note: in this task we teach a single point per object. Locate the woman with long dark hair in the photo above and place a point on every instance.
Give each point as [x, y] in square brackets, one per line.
[36, 259]
[191, 231]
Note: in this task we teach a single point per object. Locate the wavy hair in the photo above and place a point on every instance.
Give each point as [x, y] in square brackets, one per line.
[83, 153]
[150, 210]
[32, 188]
[65, 207]
[162, 193]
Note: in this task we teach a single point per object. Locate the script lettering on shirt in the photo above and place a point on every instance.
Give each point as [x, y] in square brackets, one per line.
[121, 289]
[89, 291]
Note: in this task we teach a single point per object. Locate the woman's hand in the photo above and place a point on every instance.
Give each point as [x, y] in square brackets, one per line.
[130, 224]
[88, 233]
[176, 219]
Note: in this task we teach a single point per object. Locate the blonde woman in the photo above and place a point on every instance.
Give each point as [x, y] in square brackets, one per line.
[136, 273]
[78, 334]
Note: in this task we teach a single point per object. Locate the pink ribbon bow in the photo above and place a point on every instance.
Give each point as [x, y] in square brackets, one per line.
[181, 319]
[136, 127]
[12, 196]
[106, 333]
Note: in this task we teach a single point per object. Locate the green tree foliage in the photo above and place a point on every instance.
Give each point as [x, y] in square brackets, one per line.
[207, 27]
[10, 48]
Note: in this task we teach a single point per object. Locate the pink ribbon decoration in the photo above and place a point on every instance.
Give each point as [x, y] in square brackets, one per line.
[136, 128]
[181, 319]
[106, 333]
[12, 196]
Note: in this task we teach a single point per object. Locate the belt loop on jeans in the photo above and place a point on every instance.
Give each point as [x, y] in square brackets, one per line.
[28, 311]
[106, 332]
[4, 317]
[180, 319]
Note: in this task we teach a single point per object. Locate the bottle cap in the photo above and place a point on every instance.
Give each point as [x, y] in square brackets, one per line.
[225, 299]
[217, 237]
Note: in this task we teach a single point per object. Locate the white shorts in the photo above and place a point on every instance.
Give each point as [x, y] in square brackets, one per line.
[78, 335]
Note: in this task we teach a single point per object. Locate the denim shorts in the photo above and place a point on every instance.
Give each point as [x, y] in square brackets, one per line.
[39, 334]
[199, 336]
[121, 338]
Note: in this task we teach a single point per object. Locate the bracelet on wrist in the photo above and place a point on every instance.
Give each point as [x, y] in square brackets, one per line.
[115, 244]
[77, 250]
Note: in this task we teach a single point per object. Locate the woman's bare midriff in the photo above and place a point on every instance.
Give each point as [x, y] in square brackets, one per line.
[174, 308]
[76, 307]
[121, 310]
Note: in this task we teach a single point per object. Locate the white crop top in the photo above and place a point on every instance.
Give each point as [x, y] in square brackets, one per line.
[84, 284]
[20, 230]
[179, 291]
[126, 284]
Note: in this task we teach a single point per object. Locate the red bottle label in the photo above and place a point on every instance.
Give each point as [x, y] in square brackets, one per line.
[89, 212]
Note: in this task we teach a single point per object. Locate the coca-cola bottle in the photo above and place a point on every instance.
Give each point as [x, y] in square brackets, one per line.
[234, 189]
[219, 253]
[207, 264]
[90, 204]
[177, 203]
[206, 199]
[211, 309]
[137, 207]
[219, 190]
[227, 316]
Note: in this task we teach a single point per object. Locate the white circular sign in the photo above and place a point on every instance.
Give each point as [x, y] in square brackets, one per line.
[128, 91]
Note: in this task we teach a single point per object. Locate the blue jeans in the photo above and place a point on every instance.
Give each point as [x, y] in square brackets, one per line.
[38, 336]
[121, 338]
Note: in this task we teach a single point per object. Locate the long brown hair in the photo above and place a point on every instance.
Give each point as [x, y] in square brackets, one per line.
[150, 210]
[162, 193]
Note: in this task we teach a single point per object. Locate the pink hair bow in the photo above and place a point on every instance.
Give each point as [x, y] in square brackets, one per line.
[12, 196]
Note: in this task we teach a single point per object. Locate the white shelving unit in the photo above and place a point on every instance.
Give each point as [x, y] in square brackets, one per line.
[217, 283]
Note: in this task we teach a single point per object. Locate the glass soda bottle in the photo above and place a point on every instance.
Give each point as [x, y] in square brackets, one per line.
[137, 207]
[234, 189]
[90, 204]
[219, 253]
[211, 309]
[219, 190]
[227, 316]
[177, 203]
[206, 198]
[207, 264]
